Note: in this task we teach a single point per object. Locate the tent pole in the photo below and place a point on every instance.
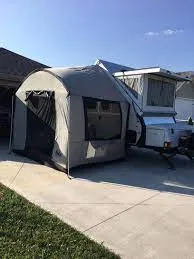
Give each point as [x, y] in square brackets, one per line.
[68, 157]
[11, 129]
[68, 173]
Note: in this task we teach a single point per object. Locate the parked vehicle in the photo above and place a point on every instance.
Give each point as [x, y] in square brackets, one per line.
[151, 119]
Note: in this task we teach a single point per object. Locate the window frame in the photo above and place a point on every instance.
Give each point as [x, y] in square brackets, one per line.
[87, 138]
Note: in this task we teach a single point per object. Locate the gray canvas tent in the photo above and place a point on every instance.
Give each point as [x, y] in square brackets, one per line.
[70, 116]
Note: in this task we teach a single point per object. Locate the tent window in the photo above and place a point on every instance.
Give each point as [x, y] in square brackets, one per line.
[92, 106]
[105, 106]
[103, 123]
[160, 93]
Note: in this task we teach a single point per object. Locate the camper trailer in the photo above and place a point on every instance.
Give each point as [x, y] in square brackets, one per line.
[70, 116]
[151, 120]
[73, 116]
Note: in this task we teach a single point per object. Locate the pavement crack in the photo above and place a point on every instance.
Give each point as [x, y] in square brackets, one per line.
[16, 174]
[121, 212]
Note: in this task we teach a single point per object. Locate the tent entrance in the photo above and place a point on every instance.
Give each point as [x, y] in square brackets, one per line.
[41, 124]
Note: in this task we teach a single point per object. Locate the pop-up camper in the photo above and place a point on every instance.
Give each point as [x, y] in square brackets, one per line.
[74, 116]
[69, 117]
[151, 122]
[150, 93]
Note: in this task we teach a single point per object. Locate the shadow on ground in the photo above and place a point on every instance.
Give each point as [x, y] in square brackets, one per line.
[5, 155]
[143, 169]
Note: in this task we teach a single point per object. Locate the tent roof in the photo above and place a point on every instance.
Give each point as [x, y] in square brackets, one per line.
[112, 67]
[90, 81]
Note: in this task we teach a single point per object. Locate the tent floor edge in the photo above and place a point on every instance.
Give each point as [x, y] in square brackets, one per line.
[40, 158]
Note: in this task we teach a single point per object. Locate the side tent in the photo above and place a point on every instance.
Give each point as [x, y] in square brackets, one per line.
[70, 116]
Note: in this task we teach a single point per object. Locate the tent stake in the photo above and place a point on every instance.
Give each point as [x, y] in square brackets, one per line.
[11, 129]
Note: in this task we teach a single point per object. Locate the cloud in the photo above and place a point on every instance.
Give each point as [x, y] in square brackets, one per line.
[151, 33]
[168, 32]
[171, 32]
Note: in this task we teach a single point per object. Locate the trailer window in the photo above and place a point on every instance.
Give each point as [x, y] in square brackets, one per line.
[131, 83]
[105, 122]
[160, 93]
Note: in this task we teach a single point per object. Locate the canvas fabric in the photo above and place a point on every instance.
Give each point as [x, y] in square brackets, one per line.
[69, 85]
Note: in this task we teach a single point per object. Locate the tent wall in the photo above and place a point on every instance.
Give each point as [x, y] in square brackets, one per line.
[83, 151]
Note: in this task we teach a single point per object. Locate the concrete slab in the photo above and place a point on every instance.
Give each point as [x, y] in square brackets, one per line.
[149, 231]
[137, 207]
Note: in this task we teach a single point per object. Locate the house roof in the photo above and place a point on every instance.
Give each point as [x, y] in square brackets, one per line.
[111, 67]
[15, 65]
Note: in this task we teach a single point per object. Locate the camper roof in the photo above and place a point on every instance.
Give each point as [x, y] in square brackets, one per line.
[155, 71]
[111, 67]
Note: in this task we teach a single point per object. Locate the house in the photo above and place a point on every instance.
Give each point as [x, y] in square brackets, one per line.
[13, 69]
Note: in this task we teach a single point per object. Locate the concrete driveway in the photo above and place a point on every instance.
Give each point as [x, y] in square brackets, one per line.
[136, 207]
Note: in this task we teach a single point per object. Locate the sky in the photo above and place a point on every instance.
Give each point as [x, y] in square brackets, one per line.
[137, 33]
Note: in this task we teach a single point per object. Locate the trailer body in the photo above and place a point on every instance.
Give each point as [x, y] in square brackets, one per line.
[151, 119]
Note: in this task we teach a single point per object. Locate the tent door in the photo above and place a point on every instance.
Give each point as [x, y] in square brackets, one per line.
[41, 123]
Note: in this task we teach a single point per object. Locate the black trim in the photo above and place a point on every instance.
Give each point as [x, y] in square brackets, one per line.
[131, 136]
[87, 138]
[126, 128]
[142, 140]
[161, 114]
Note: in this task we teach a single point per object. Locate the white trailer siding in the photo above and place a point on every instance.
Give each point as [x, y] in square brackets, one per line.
[184, 108]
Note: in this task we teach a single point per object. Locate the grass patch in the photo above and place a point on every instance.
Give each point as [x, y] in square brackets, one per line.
[27, 231]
